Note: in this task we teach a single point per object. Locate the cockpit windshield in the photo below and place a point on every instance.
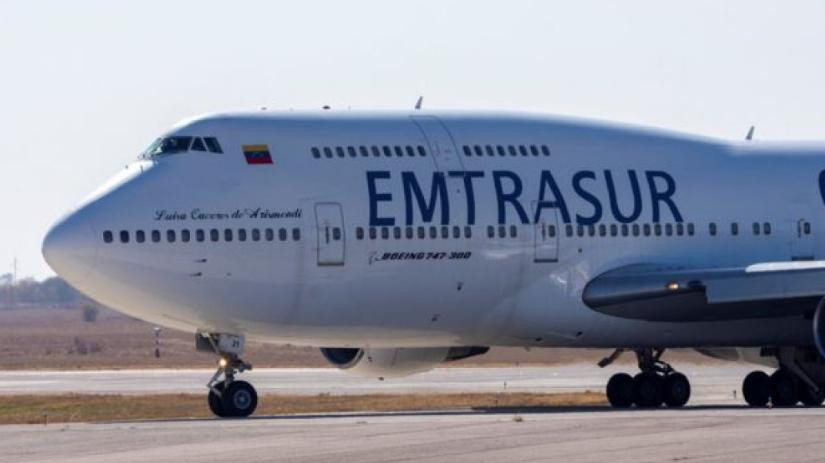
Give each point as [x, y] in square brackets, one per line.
[181, 144]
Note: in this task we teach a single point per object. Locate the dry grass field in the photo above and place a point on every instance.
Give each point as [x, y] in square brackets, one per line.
[37, 409]
[56, 338]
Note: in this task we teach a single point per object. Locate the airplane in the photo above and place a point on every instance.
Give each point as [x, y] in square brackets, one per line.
[397, 241]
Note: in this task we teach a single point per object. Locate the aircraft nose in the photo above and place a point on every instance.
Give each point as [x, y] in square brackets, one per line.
[70, 247]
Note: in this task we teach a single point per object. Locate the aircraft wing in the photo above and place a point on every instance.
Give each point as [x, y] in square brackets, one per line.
[684, 294]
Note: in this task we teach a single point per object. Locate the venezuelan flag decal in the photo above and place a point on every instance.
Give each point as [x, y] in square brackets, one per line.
[257, 154]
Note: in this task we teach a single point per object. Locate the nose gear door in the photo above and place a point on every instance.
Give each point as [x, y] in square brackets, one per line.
[329, 219]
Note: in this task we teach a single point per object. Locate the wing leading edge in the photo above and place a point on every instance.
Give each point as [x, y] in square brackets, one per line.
[683, 294]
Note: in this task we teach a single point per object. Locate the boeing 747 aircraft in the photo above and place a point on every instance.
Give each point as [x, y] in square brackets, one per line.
[398, 241]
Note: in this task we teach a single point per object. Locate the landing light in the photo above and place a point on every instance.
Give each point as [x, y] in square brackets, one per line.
[672, 286]
[222, 362]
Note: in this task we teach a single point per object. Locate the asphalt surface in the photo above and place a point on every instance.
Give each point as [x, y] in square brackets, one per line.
[717, 385]
[576, 435]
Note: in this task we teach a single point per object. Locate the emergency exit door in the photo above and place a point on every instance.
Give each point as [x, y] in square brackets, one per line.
[546, 236]
[329, 219]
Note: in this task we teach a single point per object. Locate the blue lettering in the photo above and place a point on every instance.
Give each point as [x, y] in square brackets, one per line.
[468, 190]
[375, 198]
[511, 197]
[614, 200]
[587, 196]
[666, 196]
[438, 191]
[548, 181]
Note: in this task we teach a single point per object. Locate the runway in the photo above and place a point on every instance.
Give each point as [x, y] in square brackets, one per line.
[716, 385]
[589, 435]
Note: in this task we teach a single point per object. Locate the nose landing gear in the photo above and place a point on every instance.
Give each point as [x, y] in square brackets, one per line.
[657, 384]
[228, 397]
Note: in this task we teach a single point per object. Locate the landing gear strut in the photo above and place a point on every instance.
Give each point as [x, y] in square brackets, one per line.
[657, 383]
[794, 381]
[228, 397]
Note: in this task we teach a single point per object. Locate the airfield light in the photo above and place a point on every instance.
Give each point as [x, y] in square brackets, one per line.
[672, 286]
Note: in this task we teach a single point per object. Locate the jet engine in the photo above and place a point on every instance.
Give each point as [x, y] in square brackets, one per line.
[819, 328]
[395, 362]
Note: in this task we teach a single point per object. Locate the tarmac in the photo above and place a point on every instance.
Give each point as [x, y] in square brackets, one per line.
[714, 427]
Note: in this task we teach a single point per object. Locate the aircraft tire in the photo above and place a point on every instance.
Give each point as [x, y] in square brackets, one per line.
[215, 404]
[620, 390]
[647, 390]
[676, 390]
[809, 397]
[239, 399]
[756, 389]
[783, 389]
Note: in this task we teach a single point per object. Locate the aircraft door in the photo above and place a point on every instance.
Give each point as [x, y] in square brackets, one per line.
[445, 155]
[546, 236]
[329, 220]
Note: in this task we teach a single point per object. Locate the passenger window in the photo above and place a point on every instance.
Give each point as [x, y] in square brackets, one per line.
[680, 229]
[568, 230]
[351, 151]
[316, 153]
[522, 150]
[409, 233]
[807, 228]
[410, 151]
[296, 234]
[489, 150]
[755, 228]
[668, 229]
[690, 229]
[734, 228]
[422, 233]
[551, 230]
[766, 227]
[124, 236]
[227, 234]
[614, 230]
[534, 150]
[500, 150]
[468, 232]
[373, 233]
[502, 231]
[387, 151]
[212, 145]
[399, 151]
[199, 235]
[396, 233]
[364, 151]
[712, 229]
[140, 236]
[197, 145]
[241, 234]
[591, 230]
[580, 230]
[282, 234]
[328, 151]
[339, 150]
[635, 229]
[512, 150]
[657, 229]
[646, 229]
[491, 231]
[467, 151]
[385, 233]
[256, 234]
[376, 152]
[433, 233]
[269, 234]
[421, 151]
[107, 236]
[445, 232]
[456, 232]
[513, 231]
[170, 236]
[545, 150]
[602, 229]
[184, 236]
[336, 234]
[478, 150]
[624, 229]
[155, 236]
[359, 233]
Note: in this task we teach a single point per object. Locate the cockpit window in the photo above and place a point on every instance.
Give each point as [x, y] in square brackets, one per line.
[181, 144]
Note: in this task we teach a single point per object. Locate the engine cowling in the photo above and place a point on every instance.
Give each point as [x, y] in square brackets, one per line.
[395, 362]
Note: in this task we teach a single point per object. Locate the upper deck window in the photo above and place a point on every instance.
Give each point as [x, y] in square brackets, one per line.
[181, 144]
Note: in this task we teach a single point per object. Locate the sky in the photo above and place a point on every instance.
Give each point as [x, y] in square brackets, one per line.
[86, 85]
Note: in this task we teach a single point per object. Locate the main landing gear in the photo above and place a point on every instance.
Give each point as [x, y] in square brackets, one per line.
[794, 382]
[657, 383]
[229, 397]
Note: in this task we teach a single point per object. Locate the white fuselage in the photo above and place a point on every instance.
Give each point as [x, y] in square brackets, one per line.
[432, 243]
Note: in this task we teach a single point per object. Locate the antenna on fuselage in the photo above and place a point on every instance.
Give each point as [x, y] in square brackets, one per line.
[749, 136]
[418, 103]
